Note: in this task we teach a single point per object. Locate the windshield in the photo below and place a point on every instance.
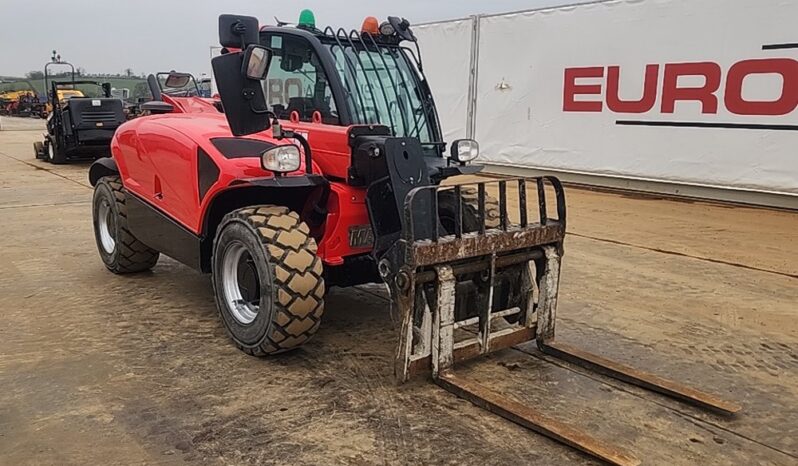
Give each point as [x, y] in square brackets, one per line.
[382, 87]
[204, 86]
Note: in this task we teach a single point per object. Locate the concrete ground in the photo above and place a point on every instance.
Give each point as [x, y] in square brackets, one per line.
[104, 369]
[21, 124]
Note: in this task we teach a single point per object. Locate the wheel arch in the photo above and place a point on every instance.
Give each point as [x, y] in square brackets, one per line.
[293, 197]
[105, 166]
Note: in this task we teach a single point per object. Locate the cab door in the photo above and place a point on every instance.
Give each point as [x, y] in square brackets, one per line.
[296, 81]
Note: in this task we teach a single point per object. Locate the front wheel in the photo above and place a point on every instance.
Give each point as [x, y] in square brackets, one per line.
[267, 279]
[39, 150]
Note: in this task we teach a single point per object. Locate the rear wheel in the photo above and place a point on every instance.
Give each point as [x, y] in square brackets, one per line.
[120, 251]
[267, 279]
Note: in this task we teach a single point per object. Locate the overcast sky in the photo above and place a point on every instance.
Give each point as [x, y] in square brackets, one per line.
[157, 35]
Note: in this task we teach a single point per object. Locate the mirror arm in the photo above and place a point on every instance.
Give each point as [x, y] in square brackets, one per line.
[240, 29]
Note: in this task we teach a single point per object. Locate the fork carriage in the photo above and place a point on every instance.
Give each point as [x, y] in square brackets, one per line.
[438, 330]
[527, 246]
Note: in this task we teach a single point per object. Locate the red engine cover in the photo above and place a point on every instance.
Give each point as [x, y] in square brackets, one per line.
[157, 159]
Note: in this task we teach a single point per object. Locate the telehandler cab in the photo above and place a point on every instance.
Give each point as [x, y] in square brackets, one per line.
[326, 168]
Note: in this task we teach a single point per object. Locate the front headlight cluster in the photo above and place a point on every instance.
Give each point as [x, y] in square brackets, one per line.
[281, 159]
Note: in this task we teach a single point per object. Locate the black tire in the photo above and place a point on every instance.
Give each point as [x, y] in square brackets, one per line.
[38, 149]
[447, 209]
[281, 266]
[55, 152]
[492, 214]
[109, 213]
[507, 286]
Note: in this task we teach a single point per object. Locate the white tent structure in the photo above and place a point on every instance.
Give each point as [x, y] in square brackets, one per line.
[688, 97]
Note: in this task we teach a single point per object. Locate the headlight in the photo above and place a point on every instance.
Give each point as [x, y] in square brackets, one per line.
[464, 150]
[282, 159]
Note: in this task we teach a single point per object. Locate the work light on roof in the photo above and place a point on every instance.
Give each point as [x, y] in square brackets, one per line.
[386, 29]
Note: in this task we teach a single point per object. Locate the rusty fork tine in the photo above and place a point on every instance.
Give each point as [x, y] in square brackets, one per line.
[533, 419]
[636, 377]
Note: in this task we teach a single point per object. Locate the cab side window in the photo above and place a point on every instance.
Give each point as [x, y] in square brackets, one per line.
[296, 81]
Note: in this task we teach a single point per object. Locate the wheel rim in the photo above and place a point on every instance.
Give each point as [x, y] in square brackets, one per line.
[105, 221]
[241, 283]
[50, 151]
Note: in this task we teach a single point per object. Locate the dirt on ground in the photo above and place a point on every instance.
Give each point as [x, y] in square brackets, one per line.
[103, 369]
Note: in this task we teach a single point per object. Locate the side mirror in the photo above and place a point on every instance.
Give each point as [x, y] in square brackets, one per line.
[236, 31]
[256, 62]
[242, 97]
[177, 80]
[238, 75]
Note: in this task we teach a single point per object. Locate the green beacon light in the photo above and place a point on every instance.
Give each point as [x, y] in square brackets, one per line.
[307, 19]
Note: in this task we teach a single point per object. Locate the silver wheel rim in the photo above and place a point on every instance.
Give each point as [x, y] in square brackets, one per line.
[50, 151]
[104, 221]
[235, 260]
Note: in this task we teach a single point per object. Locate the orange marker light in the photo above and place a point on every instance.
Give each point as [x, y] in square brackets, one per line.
[370, 25]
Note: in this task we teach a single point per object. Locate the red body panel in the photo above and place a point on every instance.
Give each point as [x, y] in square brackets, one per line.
[190, 104]
[157, 160]
[330, 146]
[346, 208]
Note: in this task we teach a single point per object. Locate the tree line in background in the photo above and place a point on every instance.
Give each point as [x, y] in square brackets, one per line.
[79, 71]
[127, 79]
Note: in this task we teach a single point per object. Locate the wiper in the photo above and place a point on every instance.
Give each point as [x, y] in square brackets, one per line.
[419, 112]
[416, 128]
[402, 77]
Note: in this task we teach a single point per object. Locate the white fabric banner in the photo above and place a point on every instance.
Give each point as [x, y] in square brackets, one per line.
[446, 53]
[690, 91]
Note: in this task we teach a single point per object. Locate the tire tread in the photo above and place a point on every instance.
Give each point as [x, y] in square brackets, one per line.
[134, 256]
[297, 271]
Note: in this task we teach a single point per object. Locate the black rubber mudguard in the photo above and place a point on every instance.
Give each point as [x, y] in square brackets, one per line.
[105, 166]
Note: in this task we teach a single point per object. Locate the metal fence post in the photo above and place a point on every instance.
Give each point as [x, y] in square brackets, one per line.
[473, 79]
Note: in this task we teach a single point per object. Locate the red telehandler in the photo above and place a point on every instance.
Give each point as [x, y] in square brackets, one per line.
[323, 166]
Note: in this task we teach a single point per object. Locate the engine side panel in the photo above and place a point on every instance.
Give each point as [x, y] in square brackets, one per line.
[171, 164]
[158, 159]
